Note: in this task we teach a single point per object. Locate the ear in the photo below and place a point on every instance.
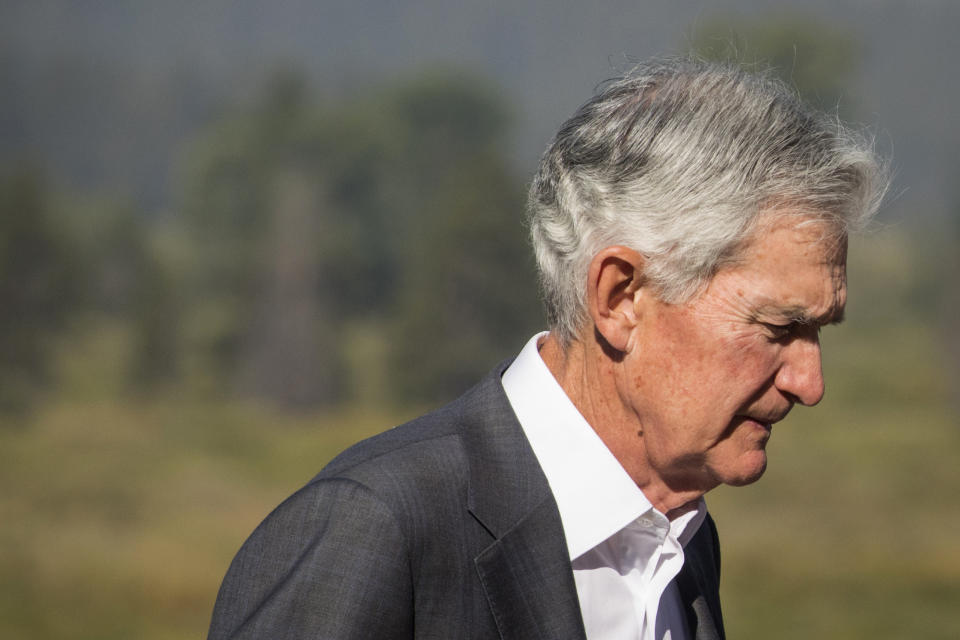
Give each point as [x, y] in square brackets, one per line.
[614, 278]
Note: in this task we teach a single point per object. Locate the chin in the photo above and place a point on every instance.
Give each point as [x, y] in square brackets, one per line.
[746, 473]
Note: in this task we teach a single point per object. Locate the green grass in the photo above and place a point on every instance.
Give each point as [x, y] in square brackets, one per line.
[120, 519]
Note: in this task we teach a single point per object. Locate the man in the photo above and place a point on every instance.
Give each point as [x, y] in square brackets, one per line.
[690, 226]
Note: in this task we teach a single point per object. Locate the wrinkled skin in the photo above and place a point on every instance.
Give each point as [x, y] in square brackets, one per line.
[689, 401]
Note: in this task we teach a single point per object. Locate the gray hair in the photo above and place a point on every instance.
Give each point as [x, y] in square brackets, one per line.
[677, 161]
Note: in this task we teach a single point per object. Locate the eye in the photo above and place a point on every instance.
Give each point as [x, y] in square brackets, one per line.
[778, 331]
[789, 330]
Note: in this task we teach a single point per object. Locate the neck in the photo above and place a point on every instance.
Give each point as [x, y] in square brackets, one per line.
[591, 374]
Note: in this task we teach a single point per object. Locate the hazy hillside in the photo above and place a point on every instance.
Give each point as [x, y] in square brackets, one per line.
[106, 94]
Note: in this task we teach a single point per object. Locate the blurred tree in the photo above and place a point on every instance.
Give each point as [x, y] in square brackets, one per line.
[468, 297]
[281, 206]
[126, 281]
[950, 309]
[154, 313]
[229, 213]
[818, 58]
[288, 354]
[38, 287]
[395, 214]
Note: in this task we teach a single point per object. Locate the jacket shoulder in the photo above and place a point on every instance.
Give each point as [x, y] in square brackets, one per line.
[435, 447]
[436, 429]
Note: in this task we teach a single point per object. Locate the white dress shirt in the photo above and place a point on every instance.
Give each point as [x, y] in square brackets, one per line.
[625, 554]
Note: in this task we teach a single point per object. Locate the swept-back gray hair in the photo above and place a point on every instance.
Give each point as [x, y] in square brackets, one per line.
[677, 161]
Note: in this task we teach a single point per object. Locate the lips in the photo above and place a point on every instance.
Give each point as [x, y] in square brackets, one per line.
[767, 419]
[764, 424]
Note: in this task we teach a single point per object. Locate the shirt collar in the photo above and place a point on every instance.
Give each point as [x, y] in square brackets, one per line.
[595, 496]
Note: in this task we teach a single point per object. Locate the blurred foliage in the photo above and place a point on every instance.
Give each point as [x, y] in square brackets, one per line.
[38, 287]
[395, 212]
[323, 251]
[467, 293]
[64, 264]
[820, 59]
[127, 281]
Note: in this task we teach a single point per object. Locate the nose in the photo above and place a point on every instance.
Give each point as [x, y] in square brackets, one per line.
[801, 372]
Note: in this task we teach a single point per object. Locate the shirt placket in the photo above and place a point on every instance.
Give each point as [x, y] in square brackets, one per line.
[642, 557]
[668, 564]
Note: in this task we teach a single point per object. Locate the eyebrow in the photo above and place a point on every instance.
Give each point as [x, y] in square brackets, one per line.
[800, 315]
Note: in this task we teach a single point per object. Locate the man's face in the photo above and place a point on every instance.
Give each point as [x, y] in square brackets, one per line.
[709, 377]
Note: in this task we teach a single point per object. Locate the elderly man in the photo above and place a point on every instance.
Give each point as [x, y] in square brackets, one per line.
[690, 226]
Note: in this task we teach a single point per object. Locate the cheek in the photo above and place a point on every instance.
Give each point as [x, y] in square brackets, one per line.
[685, 349]
[749, 354]
[695, 362]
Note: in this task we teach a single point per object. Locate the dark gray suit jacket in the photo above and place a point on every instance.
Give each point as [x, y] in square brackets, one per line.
[442, 528]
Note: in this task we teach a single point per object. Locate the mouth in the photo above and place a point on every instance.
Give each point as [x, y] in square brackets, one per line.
[760, 424]
[765, 420]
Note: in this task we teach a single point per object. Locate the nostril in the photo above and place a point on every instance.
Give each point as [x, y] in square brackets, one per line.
[800, 378]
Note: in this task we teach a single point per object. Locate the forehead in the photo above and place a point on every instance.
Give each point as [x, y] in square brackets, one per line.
[780, 237]
[792, 267]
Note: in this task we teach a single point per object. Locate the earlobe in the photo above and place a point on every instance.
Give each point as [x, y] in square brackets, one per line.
[615, 278]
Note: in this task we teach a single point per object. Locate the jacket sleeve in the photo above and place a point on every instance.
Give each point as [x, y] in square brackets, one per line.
[330, 562]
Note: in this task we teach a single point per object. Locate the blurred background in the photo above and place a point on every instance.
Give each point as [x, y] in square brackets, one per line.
[237, 236]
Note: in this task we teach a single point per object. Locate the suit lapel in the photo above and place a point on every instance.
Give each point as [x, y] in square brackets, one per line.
[526, 571]
[698, 583]
[528, 580]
